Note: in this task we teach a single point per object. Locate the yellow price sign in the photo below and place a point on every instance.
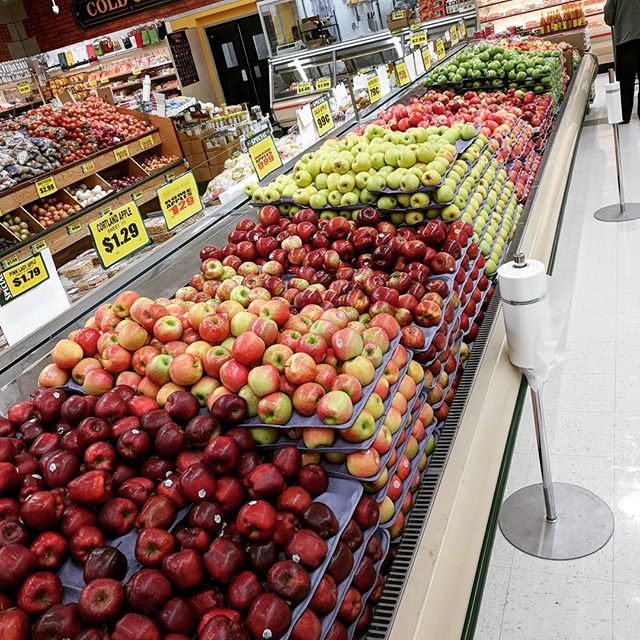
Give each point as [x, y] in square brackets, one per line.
[93, 83]
[169, 176]
[104, 80]
[121, 153]
[74, 227]
[397, 15]
[322, 84]
[137, 195]
[415, 26]
[263, 153]
[46, 186]
[426, 58]
[118, 234]
[302, 88]
[373, 89]
[440, 48]
[418, 39]
[24, 88]
[463, 29]
[146, 142]
[402, 73]
[321, 112]
[454, 35]
[136, 72]
[38, 247]
[10, 260]
[179, 200]
[22, 277]
[88, 167]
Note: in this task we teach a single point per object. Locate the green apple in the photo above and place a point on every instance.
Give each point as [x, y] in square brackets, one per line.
[393, 180]
[397, 218]
[376, 182]
[301, 197]
[317, 201]
[409, 182]
[366, 197]
[362, 178]
[450, 213]
[414, 217]
[346, 183]
[349, 199]
[392, 157]
[404, 199]
[321, 181]
[334, 198]
[419, 200]
[332, 181]
[362, 162]
[444, 194]
[377, 160]
[387, 202]
[406, 158]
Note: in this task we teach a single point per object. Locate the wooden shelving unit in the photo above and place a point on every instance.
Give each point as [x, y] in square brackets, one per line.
[160, 139]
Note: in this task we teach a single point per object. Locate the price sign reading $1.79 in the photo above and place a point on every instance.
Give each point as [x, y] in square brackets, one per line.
[22, 277]
[179, 200]
[321, 112]
[118, 234]
[263, 153]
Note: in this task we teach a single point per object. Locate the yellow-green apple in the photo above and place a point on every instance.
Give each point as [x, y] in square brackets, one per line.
[203, 388]
[168, 328]
[416, 371]
[335, 408]
[298, 323]
[234, 375]
[241, 323]
[411, 448]
[346, 343]
[306, 398]
[363, 464]
[375, 406]
[387, 510]
[300, 368]
[157, 370]
[349, 384]
[67, 353]
[263, 380]
[264, 435]
[185, 369]
[378, 336]
[314, 437]
[393, 420]
[248, 348]
[251, 399]
[240, 294]
[362, 428]
[361, 368]
[277, 356]
[276, 408]
[337, 317]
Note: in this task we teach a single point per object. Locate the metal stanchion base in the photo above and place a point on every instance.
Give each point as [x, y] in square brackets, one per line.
[584, 525]
[612, 213]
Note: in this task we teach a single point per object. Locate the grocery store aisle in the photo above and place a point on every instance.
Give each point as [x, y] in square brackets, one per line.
[593, 419]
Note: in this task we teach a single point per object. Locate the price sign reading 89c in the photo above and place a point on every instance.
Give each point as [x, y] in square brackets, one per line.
[263, 153]
[321, 112]
[179, 200]
[118, 234]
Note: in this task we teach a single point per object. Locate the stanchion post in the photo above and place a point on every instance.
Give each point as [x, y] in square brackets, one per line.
[543, 455]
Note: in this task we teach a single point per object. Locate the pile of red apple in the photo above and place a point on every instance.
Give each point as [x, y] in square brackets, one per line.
[225, 542]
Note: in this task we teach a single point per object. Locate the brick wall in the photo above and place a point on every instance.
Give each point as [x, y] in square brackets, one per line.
[5, 39]
[55, 31]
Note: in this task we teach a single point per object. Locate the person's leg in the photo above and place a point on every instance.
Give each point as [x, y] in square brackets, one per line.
[626, 75]
[637, 74]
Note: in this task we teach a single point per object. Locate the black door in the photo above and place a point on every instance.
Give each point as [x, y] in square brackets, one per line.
[240, 53]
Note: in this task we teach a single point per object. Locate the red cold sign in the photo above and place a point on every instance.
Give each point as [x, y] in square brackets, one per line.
[88, 13]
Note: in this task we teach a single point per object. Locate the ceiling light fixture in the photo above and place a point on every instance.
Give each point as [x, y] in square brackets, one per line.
[54, 7]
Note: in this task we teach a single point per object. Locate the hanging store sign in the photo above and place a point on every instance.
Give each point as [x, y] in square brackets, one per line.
[88, 13]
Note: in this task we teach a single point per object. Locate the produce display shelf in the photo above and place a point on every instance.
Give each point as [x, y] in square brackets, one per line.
[20, 105]
[137, 83]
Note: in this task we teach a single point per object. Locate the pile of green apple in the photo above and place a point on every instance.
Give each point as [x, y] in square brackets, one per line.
[489, 65]
[360, 170]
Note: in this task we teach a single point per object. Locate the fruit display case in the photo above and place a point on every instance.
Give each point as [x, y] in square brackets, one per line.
[24, 199]
[156, 278]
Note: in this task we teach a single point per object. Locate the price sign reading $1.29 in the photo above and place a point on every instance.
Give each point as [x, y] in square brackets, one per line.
[321, 112]
[179, 200]
[263, 153]
[22, 277]
[119, 233]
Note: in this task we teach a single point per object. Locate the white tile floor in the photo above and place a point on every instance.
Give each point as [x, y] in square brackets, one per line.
[592, 405]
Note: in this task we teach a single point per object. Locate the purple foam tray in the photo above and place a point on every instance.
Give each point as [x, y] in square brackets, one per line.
[340, 470]
[329, 619]
[297, 420]
[344, 447]
[385, 543]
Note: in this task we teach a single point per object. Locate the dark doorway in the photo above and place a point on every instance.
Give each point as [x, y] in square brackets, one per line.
[241, 56]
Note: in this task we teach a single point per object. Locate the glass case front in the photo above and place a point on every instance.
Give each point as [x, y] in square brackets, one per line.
[299, 75]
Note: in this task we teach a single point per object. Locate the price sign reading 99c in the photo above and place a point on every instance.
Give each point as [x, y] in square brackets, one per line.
[321, 112]
[263, 153]
[22, 277]
[118, 234]
[179, 200]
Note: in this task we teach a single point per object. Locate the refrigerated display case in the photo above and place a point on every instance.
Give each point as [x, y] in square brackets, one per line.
[340, 63]
[433, 579]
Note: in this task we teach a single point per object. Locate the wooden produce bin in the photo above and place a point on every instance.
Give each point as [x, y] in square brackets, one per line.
[205, 156]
